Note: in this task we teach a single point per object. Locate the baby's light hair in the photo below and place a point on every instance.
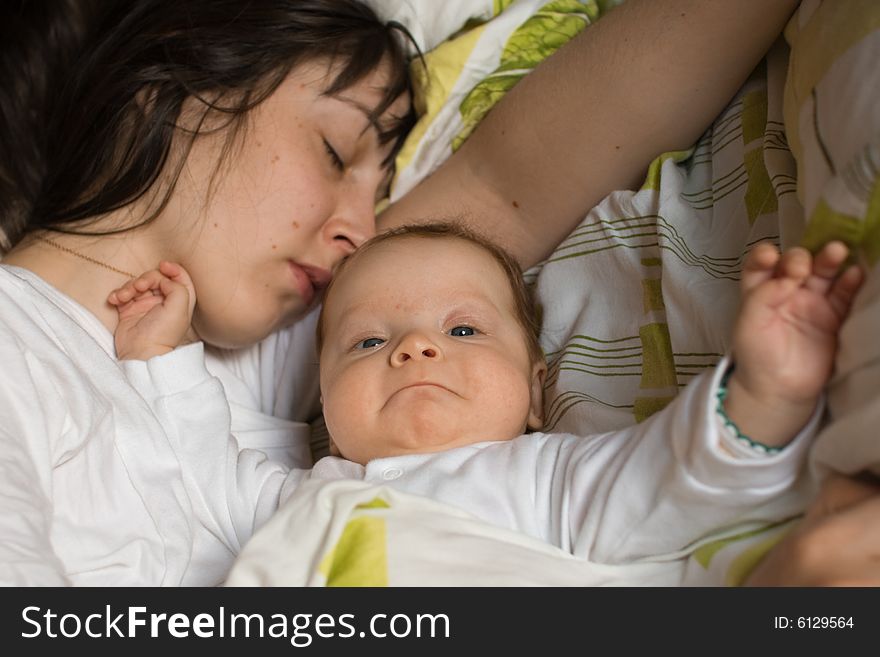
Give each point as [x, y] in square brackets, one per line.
[524, 306]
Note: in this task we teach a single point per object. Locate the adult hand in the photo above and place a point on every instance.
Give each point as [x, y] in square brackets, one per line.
[836, 544]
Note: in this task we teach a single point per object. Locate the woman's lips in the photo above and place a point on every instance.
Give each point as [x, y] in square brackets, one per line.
[320, 277]
[302, 282]
[309, 280]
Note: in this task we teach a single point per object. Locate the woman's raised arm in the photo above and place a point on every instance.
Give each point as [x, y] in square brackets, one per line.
[647, 78]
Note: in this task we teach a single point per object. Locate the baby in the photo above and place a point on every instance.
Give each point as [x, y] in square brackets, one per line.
[431, 375]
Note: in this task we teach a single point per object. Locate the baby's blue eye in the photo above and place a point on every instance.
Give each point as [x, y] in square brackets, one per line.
[462, 331]
[369, 343]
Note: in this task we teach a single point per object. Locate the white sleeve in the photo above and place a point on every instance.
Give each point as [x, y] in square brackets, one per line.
[658, 487]
[272, 391]
[233, 490]
[278, 376]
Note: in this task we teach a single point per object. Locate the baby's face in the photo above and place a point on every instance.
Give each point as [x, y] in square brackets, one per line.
[422, 352]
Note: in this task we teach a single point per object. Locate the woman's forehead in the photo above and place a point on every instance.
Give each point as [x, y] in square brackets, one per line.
[369, 92]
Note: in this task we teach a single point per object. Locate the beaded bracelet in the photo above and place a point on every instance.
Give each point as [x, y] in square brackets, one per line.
[730, 424]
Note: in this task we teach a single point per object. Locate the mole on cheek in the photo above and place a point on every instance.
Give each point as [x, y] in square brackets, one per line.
[295, 225]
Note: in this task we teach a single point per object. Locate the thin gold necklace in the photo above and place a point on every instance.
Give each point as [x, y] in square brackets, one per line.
[84, 257]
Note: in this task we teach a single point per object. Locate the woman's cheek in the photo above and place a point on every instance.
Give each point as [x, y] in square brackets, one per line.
[234, 321]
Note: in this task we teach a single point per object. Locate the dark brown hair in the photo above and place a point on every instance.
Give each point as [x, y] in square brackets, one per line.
[524, 304]
[38, 40]
[108, 124]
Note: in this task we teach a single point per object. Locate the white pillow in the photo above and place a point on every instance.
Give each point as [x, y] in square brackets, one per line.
[431, 22]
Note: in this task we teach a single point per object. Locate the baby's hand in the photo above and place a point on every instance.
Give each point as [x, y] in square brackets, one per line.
[155, 312]
[785, 337]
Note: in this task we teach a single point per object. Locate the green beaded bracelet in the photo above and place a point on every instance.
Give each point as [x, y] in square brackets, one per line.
[730, 424]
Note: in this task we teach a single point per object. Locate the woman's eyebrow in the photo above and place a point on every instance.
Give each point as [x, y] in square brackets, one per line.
[370, 115]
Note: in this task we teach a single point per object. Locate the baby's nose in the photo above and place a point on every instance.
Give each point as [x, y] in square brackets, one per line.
[416, 346]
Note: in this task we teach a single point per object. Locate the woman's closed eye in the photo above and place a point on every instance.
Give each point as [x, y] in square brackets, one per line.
[334, 156]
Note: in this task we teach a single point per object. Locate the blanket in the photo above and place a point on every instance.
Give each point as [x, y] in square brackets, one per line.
[351, 533]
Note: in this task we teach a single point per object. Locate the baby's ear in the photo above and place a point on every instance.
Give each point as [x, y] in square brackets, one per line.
[536, 401]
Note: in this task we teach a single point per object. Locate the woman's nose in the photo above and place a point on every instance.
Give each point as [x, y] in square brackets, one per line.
[415, 347]
[354, 221]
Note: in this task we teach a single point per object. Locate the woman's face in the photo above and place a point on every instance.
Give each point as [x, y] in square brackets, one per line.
[260, 235]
